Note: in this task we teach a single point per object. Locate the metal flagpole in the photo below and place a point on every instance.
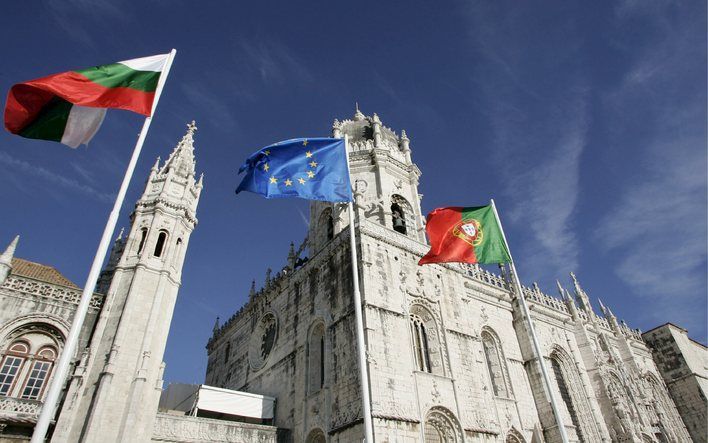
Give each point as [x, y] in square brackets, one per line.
[62, 369]
[361, 349]
[534, 338]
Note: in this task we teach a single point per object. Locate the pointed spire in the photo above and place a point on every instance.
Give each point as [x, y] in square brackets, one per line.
[292, 257]
[216, 326]
[181, 160]
[6, 257]
[267, 277]
[358, 115]
[252, 291]
[560, 288]
[120, 234]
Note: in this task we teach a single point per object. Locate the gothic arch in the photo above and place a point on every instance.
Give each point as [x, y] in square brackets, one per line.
[441, 426]
[514, 436]
[496, 363]
[663, 414]
[573, 395]
[325, 227]
[28, 350]
[59, 328]
[402, 217]
[427, 343]
[316, 357]
[316, 436]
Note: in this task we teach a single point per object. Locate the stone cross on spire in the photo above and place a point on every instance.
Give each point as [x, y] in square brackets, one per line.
[192, 127]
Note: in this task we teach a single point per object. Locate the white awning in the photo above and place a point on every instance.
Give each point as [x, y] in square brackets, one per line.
[231, 402]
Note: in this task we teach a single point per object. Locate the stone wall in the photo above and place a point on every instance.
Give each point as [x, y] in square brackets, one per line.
[183, 429]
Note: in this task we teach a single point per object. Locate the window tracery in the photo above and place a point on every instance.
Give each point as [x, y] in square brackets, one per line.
[496, 365]
[27, 361]
[316, 358]
[426, 342]
[402, 215]
[441, 426]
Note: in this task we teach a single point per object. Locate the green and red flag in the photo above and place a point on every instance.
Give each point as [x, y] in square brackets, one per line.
[69, 107]
[466, 235]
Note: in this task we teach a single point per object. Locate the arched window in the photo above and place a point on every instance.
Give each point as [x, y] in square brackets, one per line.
[43, 362]
[325, 227]
[441, 426]
[227, 352]
[316, 436]
[573, 395]
[496, 365]
[12, 364]
[565, 395]
[316, 358]
[421, 351]
[402, 215]
[143, 236]
[28, 360]
[160, 244]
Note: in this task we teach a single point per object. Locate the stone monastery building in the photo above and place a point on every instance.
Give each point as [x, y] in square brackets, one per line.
[448, 352]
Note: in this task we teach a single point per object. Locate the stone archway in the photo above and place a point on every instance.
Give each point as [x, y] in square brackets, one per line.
[441, 426]
[316, 436]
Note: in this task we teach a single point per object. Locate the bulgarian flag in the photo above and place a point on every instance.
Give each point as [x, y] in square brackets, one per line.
[466, 235]
[69, 107]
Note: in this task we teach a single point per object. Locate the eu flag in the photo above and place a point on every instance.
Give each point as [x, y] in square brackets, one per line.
[310, 168]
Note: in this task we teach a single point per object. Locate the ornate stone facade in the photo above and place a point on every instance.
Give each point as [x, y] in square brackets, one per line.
[448, 352]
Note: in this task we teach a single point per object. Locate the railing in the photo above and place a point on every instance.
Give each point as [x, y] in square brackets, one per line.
[196, 429]
[46, 290]
[18, 408]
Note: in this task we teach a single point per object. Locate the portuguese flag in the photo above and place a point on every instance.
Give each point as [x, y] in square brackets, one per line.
[466, 235]
[69, 107]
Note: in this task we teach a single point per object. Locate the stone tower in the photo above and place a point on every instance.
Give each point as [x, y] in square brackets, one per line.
[384, 178]
[114, 391]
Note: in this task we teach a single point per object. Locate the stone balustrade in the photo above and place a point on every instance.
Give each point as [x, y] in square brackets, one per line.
[18, 409]
[180, 428]
[37, 288]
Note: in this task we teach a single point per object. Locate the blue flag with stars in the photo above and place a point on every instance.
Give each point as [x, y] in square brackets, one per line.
[310, 168]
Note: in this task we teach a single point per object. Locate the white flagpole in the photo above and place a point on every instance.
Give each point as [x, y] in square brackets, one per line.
[534, 338]
[62, 368]
[361, 348]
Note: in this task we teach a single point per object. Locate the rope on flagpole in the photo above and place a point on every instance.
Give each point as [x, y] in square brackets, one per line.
[361, 345]
[532, 330]
[62, 369]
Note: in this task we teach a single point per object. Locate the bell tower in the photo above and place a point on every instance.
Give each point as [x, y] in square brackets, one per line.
[384, 178]
[114, 391]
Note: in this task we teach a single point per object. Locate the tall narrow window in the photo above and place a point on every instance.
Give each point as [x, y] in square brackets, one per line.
[316, 358]
[565, 395]
[143, 236]
[402, 215]
[398, 217]
[495, 365]
[330, 228]
[227, 352]
[420, 344]
[39, 374]
[11, 366]
[160, 244]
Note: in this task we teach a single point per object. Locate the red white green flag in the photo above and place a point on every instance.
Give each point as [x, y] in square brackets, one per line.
[466, 235]
[69, 107]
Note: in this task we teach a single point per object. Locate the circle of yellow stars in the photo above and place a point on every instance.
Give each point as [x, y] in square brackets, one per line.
[301, 180]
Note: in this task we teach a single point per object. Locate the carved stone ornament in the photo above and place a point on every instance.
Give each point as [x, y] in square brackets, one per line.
[263, 340]
[441, 425]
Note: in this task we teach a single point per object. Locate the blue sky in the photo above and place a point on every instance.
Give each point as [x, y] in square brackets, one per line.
[586, 121]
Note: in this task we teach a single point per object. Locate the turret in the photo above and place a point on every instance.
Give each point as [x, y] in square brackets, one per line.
[6, 259]
[104, 280]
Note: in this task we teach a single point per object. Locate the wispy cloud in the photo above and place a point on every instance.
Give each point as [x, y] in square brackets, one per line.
[657, 231]
[273, 62]
[71, 16]
[13, 164]
[537, 109]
